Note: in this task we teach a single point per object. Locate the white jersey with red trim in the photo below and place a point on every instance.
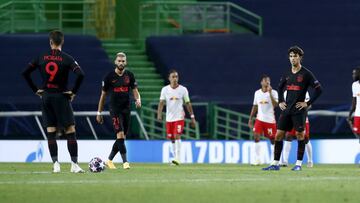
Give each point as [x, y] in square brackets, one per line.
[266, 111]
[356, 93]
[174, 99]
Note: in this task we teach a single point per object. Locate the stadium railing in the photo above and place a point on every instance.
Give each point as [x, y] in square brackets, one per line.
[228, 124]
[157, 130]
[161, 17]
[86, 114]
[78, 16]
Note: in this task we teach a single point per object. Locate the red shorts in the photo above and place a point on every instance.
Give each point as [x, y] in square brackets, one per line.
[307, 131]
[266, 129]
[174, 128]
[356, 125]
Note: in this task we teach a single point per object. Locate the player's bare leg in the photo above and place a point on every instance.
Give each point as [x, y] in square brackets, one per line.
[73, 149]
[274, 166]
[53, 148]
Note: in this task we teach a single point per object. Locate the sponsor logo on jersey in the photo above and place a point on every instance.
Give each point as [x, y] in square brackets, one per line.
[121, 89]
[300, 78]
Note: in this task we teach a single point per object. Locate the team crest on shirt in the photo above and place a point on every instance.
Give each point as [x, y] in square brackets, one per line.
[300, 78]
[174, 98]
[126, 80]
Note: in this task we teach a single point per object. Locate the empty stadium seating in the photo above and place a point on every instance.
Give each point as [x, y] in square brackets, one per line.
[227, 67]
[17, 51]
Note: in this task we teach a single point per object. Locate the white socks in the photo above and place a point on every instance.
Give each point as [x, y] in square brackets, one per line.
[177, 149]
[286, 151]
[309, 151]
[173, 149]
[272, 148]
[257, 151]
[298, 162]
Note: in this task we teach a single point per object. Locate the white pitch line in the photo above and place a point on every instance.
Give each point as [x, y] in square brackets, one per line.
[202, 180]
[23, 173]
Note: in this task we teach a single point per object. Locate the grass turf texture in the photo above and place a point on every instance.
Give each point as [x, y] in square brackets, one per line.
[34, 182]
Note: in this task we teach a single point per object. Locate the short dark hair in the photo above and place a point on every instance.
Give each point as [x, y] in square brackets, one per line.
[172, 71]
[296, 50]
[263, 76]
[57, 37]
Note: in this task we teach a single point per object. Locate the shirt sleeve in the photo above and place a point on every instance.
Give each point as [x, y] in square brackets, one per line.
[186, 96]
[255, 99]
[73, 64]
[105, 84]
[275, 95]
[162, 94]
[314, 83]
[27, 73]
[307, 97]
[281, 88]
[353, 90]
[133, 83]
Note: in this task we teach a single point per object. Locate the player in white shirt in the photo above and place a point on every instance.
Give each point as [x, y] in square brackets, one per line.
[355, 106]
[175, 96]
[265, 100]
[290, 137]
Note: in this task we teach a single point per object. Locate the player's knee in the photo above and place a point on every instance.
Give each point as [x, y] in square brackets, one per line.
[51, 129]
[120, 135]
[70, 129]
[300, 135]
[280, 135]
[177, 137]
[257, 138]
[288, 138]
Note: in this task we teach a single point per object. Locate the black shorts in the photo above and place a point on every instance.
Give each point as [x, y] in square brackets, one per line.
[288, 121]
[57, 110]
[121, 120]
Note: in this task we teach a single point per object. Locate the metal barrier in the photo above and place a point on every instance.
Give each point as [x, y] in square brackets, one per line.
[228, 124]
[78, 16]
[87, 114]
[161, 17]
[157, 129]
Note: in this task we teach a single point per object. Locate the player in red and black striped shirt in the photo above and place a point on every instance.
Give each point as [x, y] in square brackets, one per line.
[293, 111]
[54, 67]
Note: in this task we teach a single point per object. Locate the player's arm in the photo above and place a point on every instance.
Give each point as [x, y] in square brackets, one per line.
[99, 117]
[253, 113]
[191, 112]
[189, 108]
[134, 85]
[78, 80]
[160, 109]
[27, 75]
[315, 84]
[352, 110]
[281, 89]
[137, 98]
[105, 88]
[273, 97]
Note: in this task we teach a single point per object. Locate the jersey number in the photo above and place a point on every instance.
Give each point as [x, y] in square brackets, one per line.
[51, 68]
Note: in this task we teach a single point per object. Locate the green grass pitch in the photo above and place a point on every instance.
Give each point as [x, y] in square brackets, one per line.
[34, 182]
